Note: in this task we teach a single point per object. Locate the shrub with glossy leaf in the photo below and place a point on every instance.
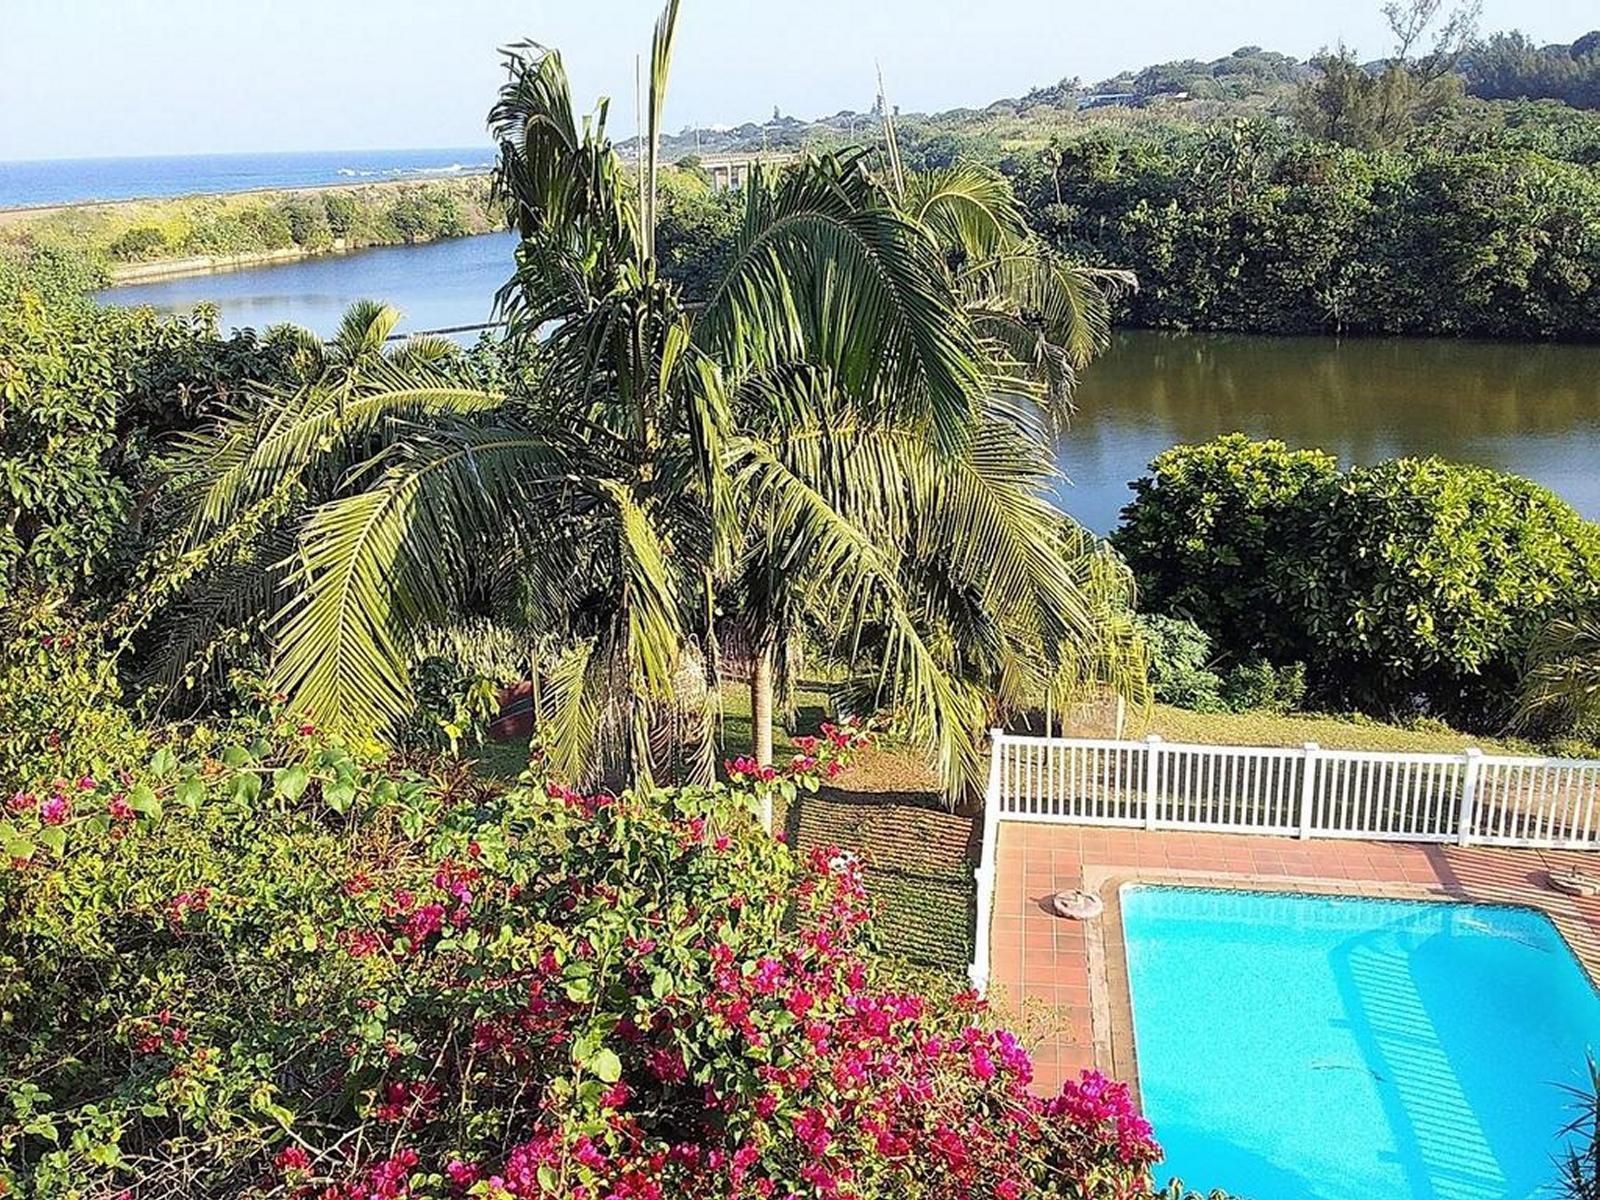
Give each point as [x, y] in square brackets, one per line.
[261, 966]
[1180, 658]
[1223, 532]
[1435, 579]
[86, 391]
[1413, 585]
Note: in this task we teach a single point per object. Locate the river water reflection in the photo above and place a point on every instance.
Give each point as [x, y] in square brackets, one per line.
[1530, 409]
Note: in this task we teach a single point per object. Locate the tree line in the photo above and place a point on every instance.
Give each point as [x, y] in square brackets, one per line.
[1249, 227]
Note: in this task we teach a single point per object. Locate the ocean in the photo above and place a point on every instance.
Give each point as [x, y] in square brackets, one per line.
[76, 180]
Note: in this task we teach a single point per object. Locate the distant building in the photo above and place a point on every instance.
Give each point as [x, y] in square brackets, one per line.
[731, 171]
[1109, 100]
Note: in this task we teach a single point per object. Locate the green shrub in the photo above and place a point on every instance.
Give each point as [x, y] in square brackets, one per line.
[49, 273]
[86, 391]
[308, 222]
[1258, 686]
[140, 242]
[1412, 586]
[259, 966]
[341, 208]
[267, 227]
[1180, 654]
[63, 370]
[1434, 579]
[1223, 533]
[454, 705]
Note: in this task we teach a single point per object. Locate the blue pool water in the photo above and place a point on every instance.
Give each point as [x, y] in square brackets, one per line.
[1331, 1048]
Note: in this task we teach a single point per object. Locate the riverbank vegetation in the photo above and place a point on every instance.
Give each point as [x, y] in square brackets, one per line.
[310, 221]
[1449, 188]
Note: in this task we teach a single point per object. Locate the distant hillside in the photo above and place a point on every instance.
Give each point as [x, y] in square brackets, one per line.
[1249, 82]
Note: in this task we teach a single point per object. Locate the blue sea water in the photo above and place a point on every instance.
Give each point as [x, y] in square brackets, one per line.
[69, 181]
[1329, 1048]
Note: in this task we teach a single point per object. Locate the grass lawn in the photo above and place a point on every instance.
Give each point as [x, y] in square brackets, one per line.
[888, 808]
[919, 854]
[1329, 732]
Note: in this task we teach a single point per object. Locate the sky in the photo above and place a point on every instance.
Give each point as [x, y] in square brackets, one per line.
[92, 78]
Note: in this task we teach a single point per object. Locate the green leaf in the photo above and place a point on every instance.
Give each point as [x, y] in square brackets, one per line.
[340, 796]
[290, 782]
[191, 793]
[246, 787]
[606, 1065]
[20, 849]
[54, 838]
[144, 801]
[163, 762]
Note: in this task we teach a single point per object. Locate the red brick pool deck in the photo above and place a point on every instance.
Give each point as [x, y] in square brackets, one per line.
[1065, 983]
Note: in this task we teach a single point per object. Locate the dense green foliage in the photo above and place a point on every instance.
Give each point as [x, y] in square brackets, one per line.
[1509, 66]
[1436, 577]
[697, 231]
[1485, 224]
[1223, 533]
[1248, 228]
[279, 969]
[86, 393]
[1181, 672]
[1410, 584]
[151, 230]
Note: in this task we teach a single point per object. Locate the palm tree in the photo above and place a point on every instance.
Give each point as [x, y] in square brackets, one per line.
[854, 417]
[1562, 681]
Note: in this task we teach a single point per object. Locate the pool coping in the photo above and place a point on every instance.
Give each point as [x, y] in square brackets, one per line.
[1110, 990]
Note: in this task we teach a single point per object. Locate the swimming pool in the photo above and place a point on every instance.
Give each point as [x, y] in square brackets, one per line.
[1329, 1048]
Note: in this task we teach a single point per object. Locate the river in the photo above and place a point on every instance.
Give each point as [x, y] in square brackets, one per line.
[438, 285]
[1531, 409]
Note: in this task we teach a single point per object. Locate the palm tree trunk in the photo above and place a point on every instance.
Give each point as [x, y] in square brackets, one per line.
[761, 705]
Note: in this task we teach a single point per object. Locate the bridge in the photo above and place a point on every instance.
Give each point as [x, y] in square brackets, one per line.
[731, 171]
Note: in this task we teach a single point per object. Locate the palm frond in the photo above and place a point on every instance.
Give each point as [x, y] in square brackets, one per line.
[377, 566]
[827, 272]
[855, 578]
[660, 68]
[969, 208]
[1561, 681]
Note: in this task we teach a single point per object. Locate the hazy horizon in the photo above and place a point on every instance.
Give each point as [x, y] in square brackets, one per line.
[193, 77]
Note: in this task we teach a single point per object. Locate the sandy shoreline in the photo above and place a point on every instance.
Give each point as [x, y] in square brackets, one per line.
[13, 213]
[221, 264]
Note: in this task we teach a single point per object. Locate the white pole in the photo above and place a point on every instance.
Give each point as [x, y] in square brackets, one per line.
[1151, 778]
[1308, 785]
[1469, 794]
[983, 876]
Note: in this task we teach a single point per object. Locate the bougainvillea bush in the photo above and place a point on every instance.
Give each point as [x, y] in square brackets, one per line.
[260, 966]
